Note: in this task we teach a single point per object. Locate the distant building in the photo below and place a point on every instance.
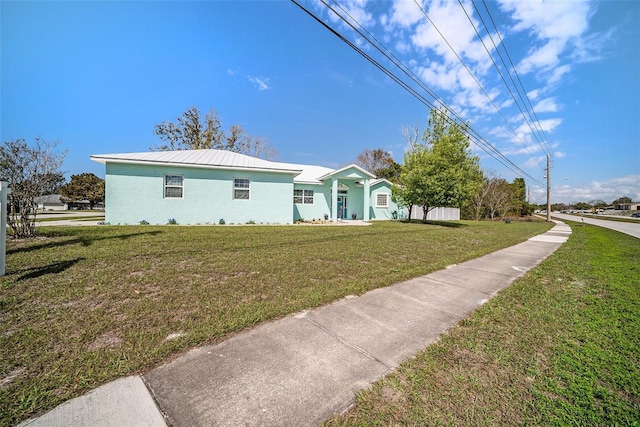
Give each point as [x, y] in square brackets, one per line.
[51, 202]
[627, 207]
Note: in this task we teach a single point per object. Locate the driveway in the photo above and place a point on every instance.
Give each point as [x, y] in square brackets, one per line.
[632, 229]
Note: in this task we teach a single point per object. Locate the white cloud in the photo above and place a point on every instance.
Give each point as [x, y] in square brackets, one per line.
[607, 190]
[534, 162]
[557, 73]
[261, 83]
[544, 57]
[353, 10]
[549, 125]
[405, 13]
[534, 94]
[547, 105]
[439, 75]
[454, 32]
[556, 25]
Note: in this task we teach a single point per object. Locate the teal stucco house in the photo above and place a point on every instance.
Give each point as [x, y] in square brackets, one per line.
[206, 186]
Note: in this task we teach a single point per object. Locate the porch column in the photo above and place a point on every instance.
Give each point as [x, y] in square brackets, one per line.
[367, 202]
[334, 200]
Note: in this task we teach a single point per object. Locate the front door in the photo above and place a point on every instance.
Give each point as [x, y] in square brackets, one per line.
[342, 207]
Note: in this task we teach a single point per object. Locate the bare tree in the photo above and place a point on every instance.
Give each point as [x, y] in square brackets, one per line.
[193, 133]
[374, 160]
[499, 197]
[412, 136]
[479, 200]
[29, 170]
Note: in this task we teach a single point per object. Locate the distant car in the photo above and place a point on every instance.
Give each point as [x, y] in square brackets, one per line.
[635, 215]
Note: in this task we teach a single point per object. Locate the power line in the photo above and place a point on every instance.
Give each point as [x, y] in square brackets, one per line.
[470, 72]
[503, 80]
[476, 137]
[548, 149]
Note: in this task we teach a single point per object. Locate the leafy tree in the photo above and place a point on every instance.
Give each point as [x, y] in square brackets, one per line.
[411, 188]
[622, 201]
[582, 206]
[391, 172]
[85, 186]
[31, 170]
[519, 196]
[192, 132]
[556, 207]
[439, 170]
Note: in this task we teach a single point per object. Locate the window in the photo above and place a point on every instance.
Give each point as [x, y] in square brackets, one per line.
[382, 200]
[303, 197]
[173, 185]
[241, 188]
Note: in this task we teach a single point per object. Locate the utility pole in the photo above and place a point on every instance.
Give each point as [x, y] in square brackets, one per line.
[548, 189]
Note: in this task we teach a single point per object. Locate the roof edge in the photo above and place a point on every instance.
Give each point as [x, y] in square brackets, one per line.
[105, 159]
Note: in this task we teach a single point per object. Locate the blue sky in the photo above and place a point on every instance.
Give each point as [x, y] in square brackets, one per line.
[97, 77]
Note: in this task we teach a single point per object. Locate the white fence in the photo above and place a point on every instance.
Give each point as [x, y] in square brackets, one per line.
[436, 214]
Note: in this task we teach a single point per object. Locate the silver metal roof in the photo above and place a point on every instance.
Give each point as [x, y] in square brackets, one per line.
[201, 158]
[220, 159]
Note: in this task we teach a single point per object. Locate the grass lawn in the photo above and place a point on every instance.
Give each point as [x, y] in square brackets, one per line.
[561, 346]
[81, 306]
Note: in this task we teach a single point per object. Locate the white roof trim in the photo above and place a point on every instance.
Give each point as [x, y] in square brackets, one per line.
[379, 180]
[352, 165]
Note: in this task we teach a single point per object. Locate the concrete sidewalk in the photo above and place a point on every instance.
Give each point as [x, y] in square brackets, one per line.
[302, 369]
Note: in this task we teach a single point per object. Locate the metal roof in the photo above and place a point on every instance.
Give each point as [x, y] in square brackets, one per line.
[222, 159]
[217, 159]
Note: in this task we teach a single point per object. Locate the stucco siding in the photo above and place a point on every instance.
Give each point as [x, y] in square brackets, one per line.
[382, 212]
[320, 206]
[136, 192]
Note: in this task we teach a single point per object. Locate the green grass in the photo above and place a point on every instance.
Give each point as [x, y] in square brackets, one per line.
[560, 347]
[81, 306]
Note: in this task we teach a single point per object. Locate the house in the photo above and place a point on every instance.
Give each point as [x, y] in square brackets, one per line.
[211, 186]
[51, 202]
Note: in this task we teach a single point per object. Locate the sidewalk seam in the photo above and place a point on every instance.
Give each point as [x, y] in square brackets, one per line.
[348, 344]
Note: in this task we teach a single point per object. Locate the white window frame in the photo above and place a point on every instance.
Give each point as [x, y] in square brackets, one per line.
[386, 200]
[236, 188]
[304, 197]
[173, 186]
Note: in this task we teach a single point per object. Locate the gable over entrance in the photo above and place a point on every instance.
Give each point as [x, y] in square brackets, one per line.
[352, 173]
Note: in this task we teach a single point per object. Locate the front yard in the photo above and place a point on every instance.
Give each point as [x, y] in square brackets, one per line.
[81, 306]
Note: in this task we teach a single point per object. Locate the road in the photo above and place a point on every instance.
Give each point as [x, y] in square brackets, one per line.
[85, 217]
[632, 229]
